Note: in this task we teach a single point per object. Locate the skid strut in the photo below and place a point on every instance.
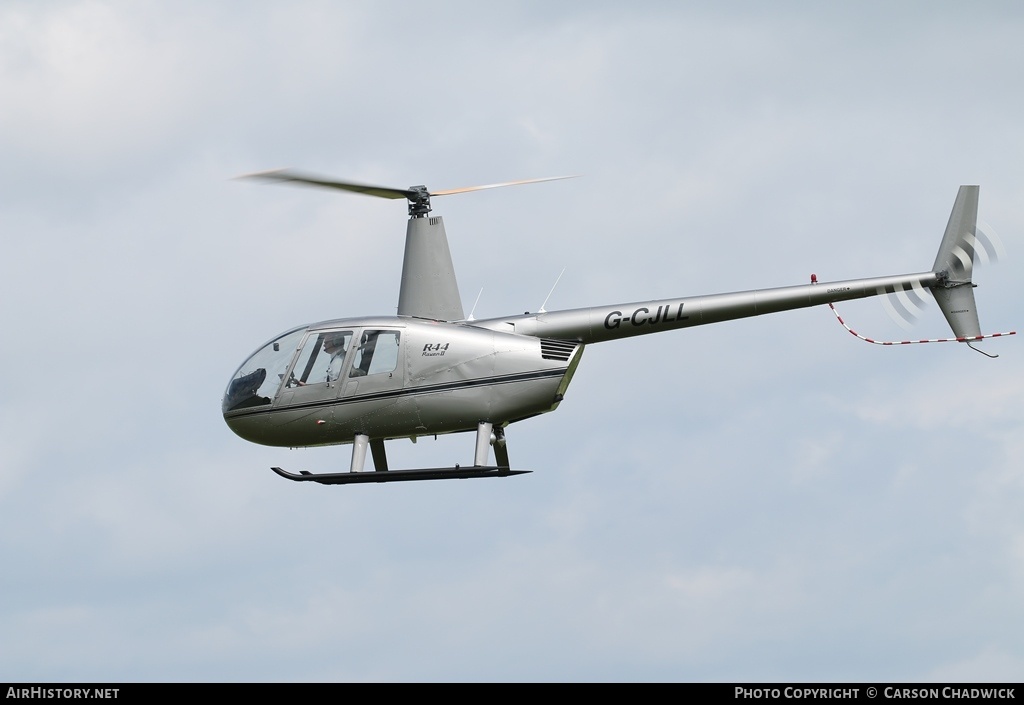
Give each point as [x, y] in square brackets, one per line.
[483, 443]
[359, 452]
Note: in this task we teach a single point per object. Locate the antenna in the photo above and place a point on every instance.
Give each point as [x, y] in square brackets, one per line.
[541, 309]
[470, 316]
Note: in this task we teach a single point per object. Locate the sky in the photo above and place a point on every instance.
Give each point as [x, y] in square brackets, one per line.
[767, 499]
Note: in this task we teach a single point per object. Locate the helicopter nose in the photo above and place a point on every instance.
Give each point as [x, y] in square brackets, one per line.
[249, 428]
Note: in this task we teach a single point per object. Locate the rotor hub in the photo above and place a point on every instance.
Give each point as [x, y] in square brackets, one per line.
[419, 201]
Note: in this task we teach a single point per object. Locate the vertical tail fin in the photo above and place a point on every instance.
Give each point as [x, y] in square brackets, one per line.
[954, 266]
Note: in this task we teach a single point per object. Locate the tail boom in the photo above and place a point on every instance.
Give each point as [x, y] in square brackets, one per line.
[601, 323]
[949, 281]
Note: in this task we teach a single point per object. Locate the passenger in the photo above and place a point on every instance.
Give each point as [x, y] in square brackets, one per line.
[361, 367]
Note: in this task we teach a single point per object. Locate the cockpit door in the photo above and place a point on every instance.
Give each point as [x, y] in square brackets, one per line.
[377, 363]
[317, 372]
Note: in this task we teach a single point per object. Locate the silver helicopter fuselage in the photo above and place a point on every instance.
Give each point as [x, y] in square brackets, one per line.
[439, 377]
[424, 378]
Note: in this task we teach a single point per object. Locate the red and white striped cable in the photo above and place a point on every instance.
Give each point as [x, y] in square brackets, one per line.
[966, 339]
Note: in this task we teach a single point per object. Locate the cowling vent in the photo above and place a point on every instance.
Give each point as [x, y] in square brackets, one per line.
[551, 349]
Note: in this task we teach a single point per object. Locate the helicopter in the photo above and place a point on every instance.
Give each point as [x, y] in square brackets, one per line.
[432, 370]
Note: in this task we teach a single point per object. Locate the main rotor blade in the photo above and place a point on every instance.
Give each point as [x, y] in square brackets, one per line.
[507, 183]
[286, 175]
[418, 196]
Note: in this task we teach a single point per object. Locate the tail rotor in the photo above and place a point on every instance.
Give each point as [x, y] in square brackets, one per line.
[963, 243]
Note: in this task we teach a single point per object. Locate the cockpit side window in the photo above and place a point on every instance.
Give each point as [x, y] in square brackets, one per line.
[377, 353]
[321, 358]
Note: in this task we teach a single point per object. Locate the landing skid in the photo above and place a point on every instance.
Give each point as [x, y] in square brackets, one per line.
[347, 478]
[381, 473]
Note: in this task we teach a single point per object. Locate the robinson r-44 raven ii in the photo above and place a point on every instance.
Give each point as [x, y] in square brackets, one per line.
[430, 370]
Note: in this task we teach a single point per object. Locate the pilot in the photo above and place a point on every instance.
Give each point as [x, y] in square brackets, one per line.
[336, 346]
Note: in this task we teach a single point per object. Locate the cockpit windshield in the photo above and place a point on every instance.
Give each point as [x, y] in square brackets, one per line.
[258, 379]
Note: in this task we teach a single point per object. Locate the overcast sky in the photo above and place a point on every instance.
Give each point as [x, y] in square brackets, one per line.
[768, 499]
